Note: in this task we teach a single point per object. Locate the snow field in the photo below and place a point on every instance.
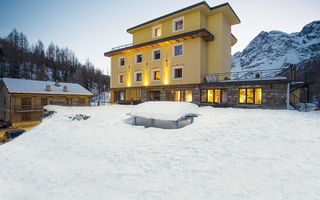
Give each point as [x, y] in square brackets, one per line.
[225, 154]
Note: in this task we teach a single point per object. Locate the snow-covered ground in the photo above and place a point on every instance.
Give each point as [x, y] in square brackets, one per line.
[225, 154]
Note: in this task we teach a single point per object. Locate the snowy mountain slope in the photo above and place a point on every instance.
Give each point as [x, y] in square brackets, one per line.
[275, 49]
[225, 154]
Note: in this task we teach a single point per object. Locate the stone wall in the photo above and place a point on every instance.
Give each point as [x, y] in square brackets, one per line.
[274, 93]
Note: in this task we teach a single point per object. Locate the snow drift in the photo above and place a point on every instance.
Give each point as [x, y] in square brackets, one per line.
[225, 154]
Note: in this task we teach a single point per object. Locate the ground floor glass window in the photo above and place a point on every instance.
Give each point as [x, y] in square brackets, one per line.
[211, 96]
[250, 95]
[180, 95]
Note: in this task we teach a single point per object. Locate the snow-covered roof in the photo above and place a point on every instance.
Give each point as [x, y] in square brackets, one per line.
[33, 86]
[164, 110]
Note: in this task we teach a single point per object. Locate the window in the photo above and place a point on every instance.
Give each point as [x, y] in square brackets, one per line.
[258, 96]
[155, 75]
[211, 96]
[250, 95]
[82, 101]
[138, 58]
[44, 101]
[120, 78]
[178, 24]
[188, 96]
[119, 96]
[121, 61]
[138, 77]
[122, 95]
[204, 96]
[156, 54]
[25, 116]
[4, 101]
[156, 31]
[69, 101]
[180, 95]
[177, 73]
[217, 96]
[177, 50]
[242, 96]
[26, 102]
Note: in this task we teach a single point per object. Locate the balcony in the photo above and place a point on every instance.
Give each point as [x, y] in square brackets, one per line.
[121, 47]
[26, 108]
[254, 75]
[202, 33]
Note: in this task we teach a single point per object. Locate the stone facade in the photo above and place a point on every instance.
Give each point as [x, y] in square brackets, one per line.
[274, 93]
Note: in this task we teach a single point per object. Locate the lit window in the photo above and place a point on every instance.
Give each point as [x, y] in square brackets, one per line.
[217, 96]
[188, 96]
[250, 95]
[121, 61]
[258, 95]
[242, 96]
[138, 77]
[156, 31]
[155, 75]
[177, 96]
[177, 73]
[156, 54]
[178, 24]
[121, 78]
[138, 58]
[204, 95]
[210, 96]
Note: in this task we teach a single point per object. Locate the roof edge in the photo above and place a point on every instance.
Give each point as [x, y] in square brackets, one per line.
[184, 9]
[161, 40]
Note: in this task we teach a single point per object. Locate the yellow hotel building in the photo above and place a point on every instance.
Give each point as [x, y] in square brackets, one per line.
[170, 55]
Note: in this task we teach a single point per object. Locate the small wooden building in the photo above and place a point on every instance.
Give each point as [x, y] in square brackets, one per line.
[22, 100]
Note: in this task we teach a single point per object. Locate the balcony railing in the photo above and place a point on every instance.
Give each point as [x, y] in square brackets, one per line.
[122, 46]
[22, 108]
[245, 75]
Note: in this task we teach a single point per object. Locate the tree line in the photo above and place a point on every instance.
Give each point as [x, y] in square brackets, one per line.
[20, 60]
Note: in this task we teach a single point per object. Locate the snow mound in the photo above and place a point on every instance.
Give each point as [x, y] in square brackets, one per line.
[165, 110]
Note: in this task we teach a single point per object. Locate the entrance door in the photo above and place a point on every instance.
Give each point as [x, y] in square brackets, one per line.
[154, 96]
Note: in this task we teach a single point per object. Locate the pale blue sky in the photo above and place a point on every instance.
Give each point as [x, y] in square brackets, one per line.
[91, 27]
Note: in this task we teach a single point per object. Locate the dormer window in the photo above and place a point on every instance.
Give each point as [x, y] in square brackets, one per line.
[156, 31]
[178, 24]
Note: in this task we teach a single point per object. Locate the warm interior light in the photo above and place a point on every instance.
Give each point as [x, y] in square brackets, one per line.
[242, 96]
[210, 96]
[188, 96]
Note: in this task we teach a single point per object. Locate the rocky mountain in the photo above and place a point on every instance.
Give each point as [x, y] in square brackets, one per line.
[276, 49]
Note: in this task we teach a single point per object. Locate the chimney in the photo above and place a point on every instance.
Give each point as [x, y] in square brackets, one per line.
[48, 88]
[57, 83]
[65, 89]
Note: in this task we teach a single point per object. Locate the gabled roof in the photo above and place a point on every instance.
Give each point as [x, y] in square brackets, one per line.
[185, 9]
[15, 85]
